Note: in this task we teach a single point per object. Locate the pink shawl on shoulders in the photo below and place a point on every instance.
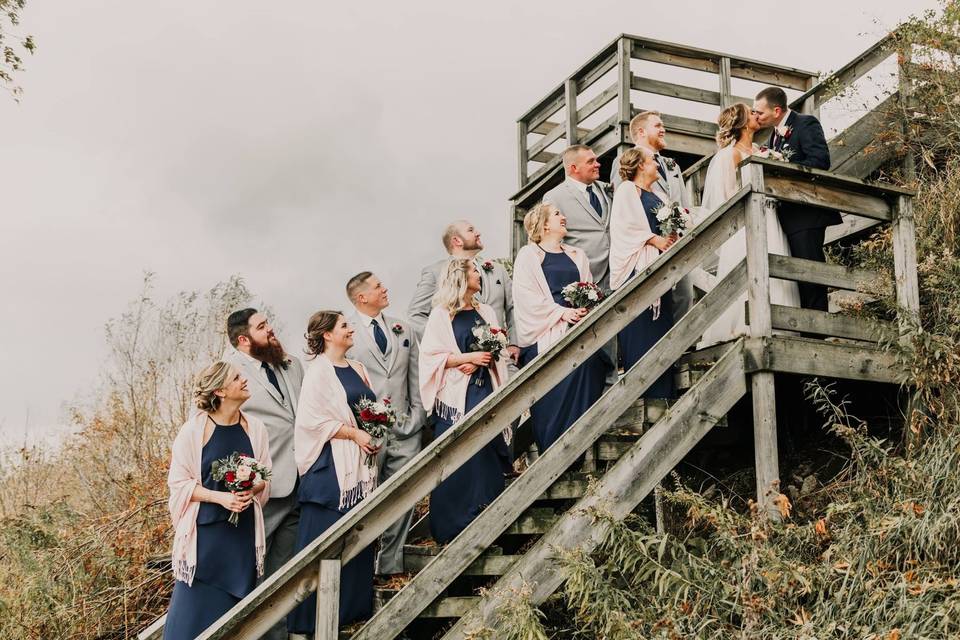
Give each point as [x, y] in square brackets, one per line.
[321, 411]
[184, 477]
[629, 233]
[443, 390]
[539, 319]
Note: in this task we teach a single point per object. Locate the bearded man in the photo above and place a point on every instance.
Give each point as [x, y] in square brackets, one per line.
[274, 380]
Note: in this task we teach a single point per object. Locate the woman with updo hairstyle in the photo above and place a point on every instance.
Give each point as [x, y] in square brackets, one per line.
[736, 127]
[454, 378]
[635, 243]
[331, 454]
[542, 268]
[215, 563]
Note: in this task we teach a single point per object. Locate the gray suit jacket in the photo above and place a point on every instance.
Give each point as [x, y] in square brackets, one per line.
[584, 229]
[497, 292]
[670, 189]
[394, 375]
[277, 413]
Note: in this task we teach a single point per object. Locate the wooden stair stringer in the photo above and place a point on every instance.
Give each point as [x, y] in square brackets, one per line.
[618, 492]
[429, 583]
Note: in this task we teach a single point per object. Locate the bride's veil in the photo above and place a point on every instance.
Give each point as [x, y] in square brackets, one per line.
[721, 182]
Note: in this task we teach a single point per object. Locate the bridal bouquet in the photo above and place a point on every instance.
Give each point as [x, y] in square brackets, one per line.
[582, 295]
[672, 218]
[765, 152]
[491, 339]
[376, 418]
[238, 473]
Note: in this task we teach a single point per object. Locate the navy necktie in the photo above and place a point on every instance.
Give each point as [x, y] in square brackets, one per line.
[272, 377]
[379, 336]
[660, 169]
[594, 201]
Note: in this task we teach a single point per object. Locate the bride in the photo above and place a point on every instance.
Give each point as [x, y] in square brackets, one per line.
[737, 126]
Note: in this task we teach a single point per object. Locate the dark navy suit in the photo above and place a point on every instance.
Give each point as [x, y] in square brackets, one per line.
[805, 226]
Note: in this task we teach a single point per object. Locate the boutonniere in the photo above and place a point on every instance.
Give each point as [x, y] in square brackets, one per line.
[487, 266]
[608, 189]
[785, 132]
[397, 329]
[670, 163]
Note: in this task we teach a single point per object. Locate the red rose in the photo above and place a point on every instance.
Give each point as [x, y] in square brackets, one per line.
[386, 401]
[246, 484]
[494, 330]
[789, 132]
[230, 476]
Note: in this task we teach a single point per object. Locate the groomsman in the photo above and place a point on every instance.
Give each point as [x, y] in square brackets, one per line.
[462, 240]
[274, 380]
[647, 131]
[800, 138]
[584, 201]
[388, 349]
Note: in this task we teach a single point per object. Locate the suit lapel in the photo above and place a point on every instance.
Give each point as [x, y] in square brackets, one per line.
[581, 197]
[255, 370]
[394, 341]
[363, 329]
[291, 388]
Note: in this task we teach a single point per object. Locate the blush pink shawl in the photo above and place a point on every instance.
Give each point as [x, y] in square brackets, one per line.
[443, 390]
[629, 233]
[539, 319]
[184, 477]
[321, 411]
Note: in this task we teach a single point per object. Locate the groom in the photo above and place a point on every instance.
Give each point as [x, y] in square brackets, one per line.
[800, 139]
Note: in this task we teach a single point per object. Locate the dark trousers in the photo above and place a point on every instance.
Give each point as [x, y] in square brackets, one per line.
[808, 244]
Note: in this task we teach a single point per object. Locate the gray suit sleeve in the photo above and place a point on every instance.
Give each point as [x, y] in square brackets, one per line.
[684, 193]
[615, 179]
[418, 417]
[421, 303]
[508, 304]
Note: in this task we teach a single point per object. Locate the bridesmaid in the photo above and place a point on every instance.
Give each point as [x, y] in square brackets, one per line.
[453, 380]
[215, 563]
[635, 243]
[541, 270]
[330, 451]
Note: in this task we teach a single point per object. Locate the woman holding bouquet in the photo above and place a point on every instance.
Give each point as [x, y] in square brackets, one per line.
[331, 453]
[543, 315]
[635, 243]
[454, 377]
[215, 563]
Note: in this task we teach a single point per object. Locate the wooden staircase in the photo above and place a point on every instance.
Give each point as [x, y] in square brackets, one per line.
[614, 456]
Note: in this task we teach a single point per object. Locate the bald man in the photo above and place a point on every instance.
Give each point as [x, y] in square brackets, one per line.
[461, 239]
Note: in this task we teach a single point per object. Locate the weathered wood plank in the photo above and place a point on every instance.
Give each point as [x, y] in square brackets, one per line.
[555, 134]
[533, 522]
[831, 275]
[485, 565]
[650, 54]
[540, 481]
[570, 106]
[545, 109]
[769, 74]
[850, 143]
[289, 586]
[586, 79]
[845, 183]
[828, 197]
[726, 96]
[806, 356]
[825, 324]
[523, 157]
[852, 225]
[692, 126]
[547, 157]
[905, 263]
[546, 127]
[620, 490]
[674, 90]
[624, 79]
[328, 600]
[453, 607]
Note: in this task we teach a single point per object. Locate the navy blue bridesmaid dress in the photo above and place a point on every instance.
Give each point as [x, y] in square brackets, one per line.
[559, 408]
[226, 554]
[639, 336]
[319, 497]
[460, 498]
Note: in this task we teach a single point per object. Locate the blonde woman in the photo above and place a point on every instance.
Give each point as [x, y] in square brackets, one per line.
[330, 451]
[736, 128]
[215, 563]
[541, 270]
[453, 380]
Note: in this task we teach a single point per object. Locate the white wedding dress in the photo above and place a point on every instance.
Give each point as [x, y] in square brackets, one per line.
[720, 185]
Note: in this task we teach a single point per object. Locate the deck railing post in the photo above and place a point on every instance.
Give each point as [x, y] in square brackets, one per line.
[904, 237]
[328, 600]
[761, 325]
[624, 83]
[523, 156]
[570, 97]
[726, 94]
[810, 105]
[905, 90]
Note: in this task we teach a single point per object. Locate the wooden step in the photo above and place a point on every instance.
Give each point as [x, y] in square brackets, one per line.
[485, 565]
[534, 521]
[567, 487]
[448, 607]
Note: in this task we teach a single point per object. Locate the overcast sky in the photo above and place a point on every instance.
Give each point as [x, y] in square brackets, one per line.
[294, 143]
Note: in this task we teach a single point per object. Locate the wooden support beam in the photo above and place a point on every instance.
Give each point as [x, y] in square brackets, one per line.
[824, 196]
[830, 275]
[555, 134]
[523, 157]
[570, 98]
[586, 78]
[674, 90]
[806, 356]
[726, 97]
[328, 600]
[810, 105]
[619, 491]
[761, 324]
[905, 263]
[541, 476]
[624, 80]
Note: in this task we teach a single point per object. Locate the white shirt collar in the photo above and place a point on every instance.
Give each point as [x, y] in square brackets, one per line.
[366, 319]
[579, 185]
[782, 127]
